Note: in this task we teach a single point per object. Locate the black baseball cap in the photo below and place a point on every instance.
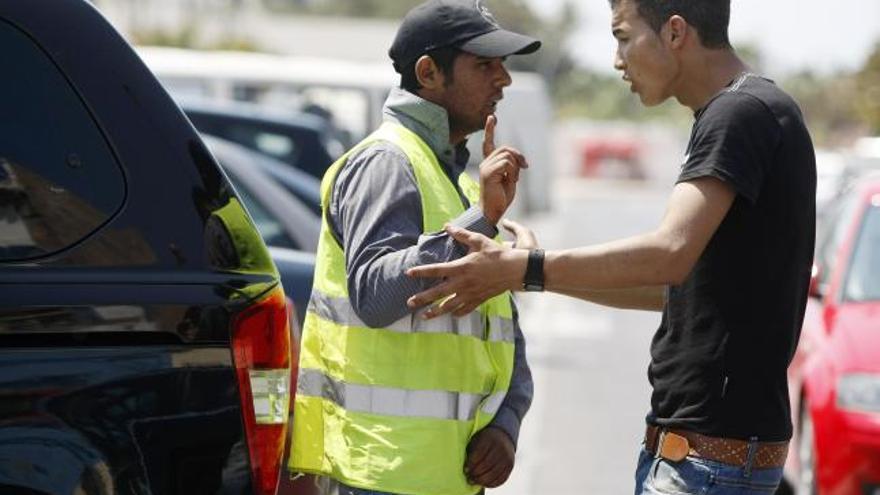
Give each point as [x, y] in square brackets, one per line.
[465, 24]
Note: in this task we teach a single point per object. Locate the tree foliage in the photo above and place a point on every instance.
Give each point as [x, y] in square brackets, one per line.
[867, 84]
[583, 93]
[828, 105]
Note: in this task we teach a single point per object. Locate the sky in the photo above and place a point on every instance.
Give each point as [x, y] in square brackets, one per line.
[821, 35]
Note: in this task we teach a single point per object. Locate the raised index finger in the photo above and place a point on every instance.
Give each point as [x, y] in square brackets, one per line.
[489, 136]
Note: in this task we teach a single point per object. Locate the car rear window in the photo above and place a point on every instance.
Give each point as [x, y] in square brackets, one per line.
[59, 180]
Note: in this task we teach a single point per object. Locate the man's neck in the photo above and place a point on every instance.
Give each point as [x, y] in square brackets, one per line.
[711, 71]
[456, 137]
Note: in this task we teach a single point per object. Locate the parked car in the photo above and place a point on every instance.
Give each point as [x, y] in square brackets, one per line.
[282, 219]
[297, 271]
[144, 338]
[296, 182]
[831, 171]
[834, 378]
[300, 140]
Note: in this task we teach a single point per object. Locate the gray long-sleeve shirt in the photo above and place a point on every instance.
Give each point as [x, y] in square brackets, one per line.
[375, 212]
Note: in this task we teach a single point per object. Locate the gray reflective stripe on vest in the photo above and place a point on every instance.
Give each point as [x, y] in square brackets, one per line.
[501, 330]
[387, 401]
[493, 403]
[339, 310]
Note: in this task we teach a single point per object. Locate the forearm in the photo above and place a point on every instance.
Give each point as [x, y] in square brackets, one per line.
[378, 284]
[664, 257]
[638, 298]
[648, 260]
[519, 395]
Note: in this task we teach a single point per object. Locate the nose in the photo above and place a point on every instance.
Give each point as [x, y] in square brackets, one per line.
[503, 78]
[618, 61]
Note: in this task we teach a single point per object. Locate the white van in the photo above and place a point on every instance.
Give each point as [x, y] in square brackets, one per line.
[351, 94]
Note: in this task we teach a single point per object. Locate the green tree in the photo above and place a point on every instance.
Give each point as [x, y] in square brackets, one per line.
[828, 103]
[599, 96]
[867, 101]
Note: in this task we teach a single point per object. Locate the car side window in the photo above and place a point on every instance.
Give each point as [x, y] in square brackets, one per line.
[59, 180]
[278, 146]
[863, 279]
[833, 232]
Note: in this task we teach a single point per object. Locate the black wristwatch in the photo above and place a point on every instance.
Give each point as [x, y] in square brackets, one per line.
[534, 279]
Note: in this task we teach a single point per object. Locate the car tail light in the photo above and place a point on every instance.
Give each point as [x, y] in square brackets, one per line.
[261, 350]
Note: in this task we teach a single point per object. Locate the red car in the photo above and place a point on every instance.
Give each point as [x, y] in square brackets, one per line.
[834, 379]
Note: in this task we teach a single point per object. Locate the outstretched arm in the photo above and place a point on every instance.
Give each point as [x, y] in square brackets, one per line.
[641, 298]
[662, 257]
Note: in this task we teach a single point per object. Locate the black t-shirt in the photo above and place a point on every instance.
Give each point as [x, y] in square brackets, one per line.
[728, 332]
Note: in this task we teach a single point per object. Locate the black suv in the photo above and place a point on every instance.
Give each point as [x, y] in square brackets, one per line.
[144, 337]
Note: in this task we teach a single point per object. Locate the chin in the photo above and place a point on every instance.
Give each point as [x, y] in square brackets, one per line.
[652, 100]
[468, 126]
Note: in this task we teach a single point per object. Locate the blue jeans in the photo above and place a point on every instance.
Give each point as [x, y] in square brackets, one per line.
[695, 476]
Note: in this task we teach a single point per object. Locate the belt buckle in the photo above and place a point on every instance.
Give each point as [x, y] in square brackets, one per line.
[673, 447]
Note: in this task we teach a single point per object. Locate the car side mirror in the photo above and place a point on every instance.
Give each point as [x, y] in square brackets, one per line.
[816, 289]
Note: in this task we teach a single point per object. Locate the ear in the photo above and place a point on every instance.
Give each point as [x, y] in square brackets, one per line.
[428, 74]
[676, 31]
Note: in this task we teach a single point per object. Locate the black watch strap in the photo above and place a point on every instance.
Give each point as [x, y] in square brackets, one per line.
[534, 279]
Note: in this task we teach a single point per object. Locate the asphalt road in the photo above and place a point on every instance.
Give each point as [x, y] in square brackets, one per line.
[589, 363]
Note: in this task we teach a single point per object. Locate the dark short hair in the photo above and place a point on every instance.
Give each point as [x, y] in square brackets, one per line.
[444, 57]
[709, 17]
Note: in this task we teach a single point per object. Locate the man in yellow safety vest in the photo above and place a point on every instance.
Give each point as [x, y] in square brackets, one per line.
[388, 402]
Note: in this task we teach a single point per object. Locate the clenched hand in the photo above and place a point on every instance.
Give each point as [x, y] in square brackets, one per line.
[490, 458]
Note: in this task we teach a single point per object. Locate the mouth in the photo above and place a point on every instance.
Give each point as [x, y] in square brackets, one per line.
[493, 102]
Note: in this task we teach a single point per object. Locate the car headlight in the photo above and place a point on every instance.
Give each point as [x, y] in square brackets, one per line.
[860, 392]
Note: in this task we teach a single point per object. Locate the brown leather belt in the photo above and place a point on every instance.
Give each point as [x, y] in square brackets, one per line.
[675, 445]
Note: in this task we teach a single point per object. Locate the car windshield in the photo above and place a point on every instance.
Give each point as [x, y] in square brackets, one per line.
[863, 283]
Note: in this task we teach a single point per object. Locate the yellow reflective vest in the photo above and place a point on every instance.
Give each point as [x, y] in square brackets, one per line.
[392, 409]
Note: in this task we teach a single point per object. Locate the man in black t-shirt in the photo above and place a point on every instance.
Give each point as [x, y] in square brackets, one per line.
[729, 264]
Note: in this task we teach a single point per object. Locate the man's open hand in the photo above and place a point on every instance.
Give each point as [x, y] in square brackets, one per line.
[490, 458]
[488, 270]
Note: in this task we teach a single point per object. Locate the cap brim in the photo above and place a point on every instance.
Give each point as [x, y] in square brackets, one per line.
[500, 43]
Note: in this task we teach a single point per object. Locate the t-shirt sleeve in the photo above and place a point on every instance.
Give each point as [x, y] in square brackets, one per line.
[734, 141]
